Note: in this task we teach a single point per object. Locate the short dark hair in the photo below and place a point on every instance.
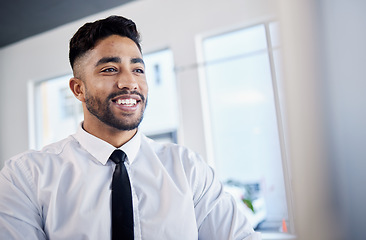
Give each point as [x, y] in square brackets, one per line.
[90, 33]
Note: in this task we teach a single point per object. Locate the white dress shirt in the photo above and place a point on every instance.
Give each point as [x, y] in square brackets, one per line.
[64, 192]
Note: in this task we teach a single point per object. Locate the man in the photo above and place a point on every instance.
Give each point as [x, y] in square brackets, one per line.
[70, 189]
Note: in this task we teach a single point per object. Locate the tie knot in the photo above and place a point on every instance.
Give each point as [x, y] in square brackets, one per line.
[118, 156]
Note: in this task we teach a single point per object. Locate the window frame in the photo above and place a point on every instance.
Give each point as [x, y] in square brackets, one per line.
[279, 109]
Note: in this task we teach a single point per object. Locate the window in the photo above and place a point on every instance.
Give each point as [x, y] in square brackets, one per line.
[240, 76]
[161, 119]
[57, 113]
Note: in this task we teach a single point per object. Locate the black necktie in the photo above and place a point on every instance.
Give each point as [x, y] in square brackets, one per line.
[122, 213]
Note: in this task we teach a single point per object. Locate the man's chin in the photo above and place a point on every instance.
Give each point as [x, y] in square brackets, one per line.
[125, 125]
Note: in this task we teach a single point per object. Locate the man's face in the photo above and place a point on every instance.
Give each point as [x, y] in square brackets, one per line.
[115, 91]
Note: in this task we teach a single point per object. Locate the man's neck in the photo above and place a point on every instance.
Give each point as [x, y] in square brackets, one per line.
[109, 134]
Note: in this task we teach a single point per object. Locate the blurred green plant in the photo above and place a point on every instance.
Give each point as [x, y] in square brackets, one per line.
[249, 204]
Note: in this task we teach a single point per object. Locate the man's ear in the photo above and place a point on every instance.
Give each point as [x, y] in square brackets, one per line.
[78, 89]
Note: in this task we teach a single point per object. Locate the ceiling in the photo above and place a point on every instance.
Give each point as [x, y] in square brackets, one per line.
[20, 19]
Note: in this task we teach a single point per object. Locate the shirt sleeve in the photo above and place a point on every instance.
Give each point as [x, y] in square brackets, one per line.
[216, 211]
[19, 215]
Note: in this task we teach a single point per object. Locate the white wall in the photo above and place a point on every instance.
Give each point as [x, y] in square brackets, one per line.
[344, 60]
[325, 85]
[305, 120]
[162, 23]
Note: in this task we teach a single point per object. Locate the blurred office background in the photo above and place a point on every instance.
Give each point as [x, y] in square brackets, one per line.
[272, 93]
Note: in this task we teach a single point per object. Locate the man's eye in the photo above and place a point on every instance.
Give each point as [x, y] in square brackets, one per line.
[109, 70]
[139, 70]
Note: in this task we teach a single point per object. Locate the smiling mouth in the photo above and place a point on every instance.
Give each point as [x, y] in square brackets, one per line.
[126, 102]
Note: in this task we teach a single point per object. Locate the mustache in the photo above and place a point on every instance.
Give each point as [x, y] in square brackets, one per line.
[125, 92]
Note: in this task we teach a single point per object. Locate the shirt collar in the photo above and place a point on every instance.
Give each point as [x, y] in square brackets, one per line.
[101, 150]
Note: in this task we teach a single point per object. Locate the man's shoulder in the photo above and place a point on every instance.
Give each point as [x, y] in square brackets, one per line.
[173, 151]
[52, 150]
[161, 146]
[58, 147]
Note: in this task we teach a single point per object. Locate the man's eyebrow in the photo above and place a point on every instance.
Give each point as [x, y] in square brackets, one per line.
[107, 60]
[137, 60]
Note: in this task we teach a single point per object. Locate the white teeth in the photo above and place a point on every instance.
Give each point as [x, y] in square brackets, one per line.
[128, 102]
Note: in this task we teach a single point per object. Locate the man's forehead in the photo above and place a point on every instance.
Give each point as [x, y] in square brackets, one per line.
[117, 41]
[124, 48]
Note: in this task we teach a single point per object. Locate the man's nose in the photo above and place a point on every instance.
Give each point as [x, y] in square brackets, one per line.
[127, 80]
